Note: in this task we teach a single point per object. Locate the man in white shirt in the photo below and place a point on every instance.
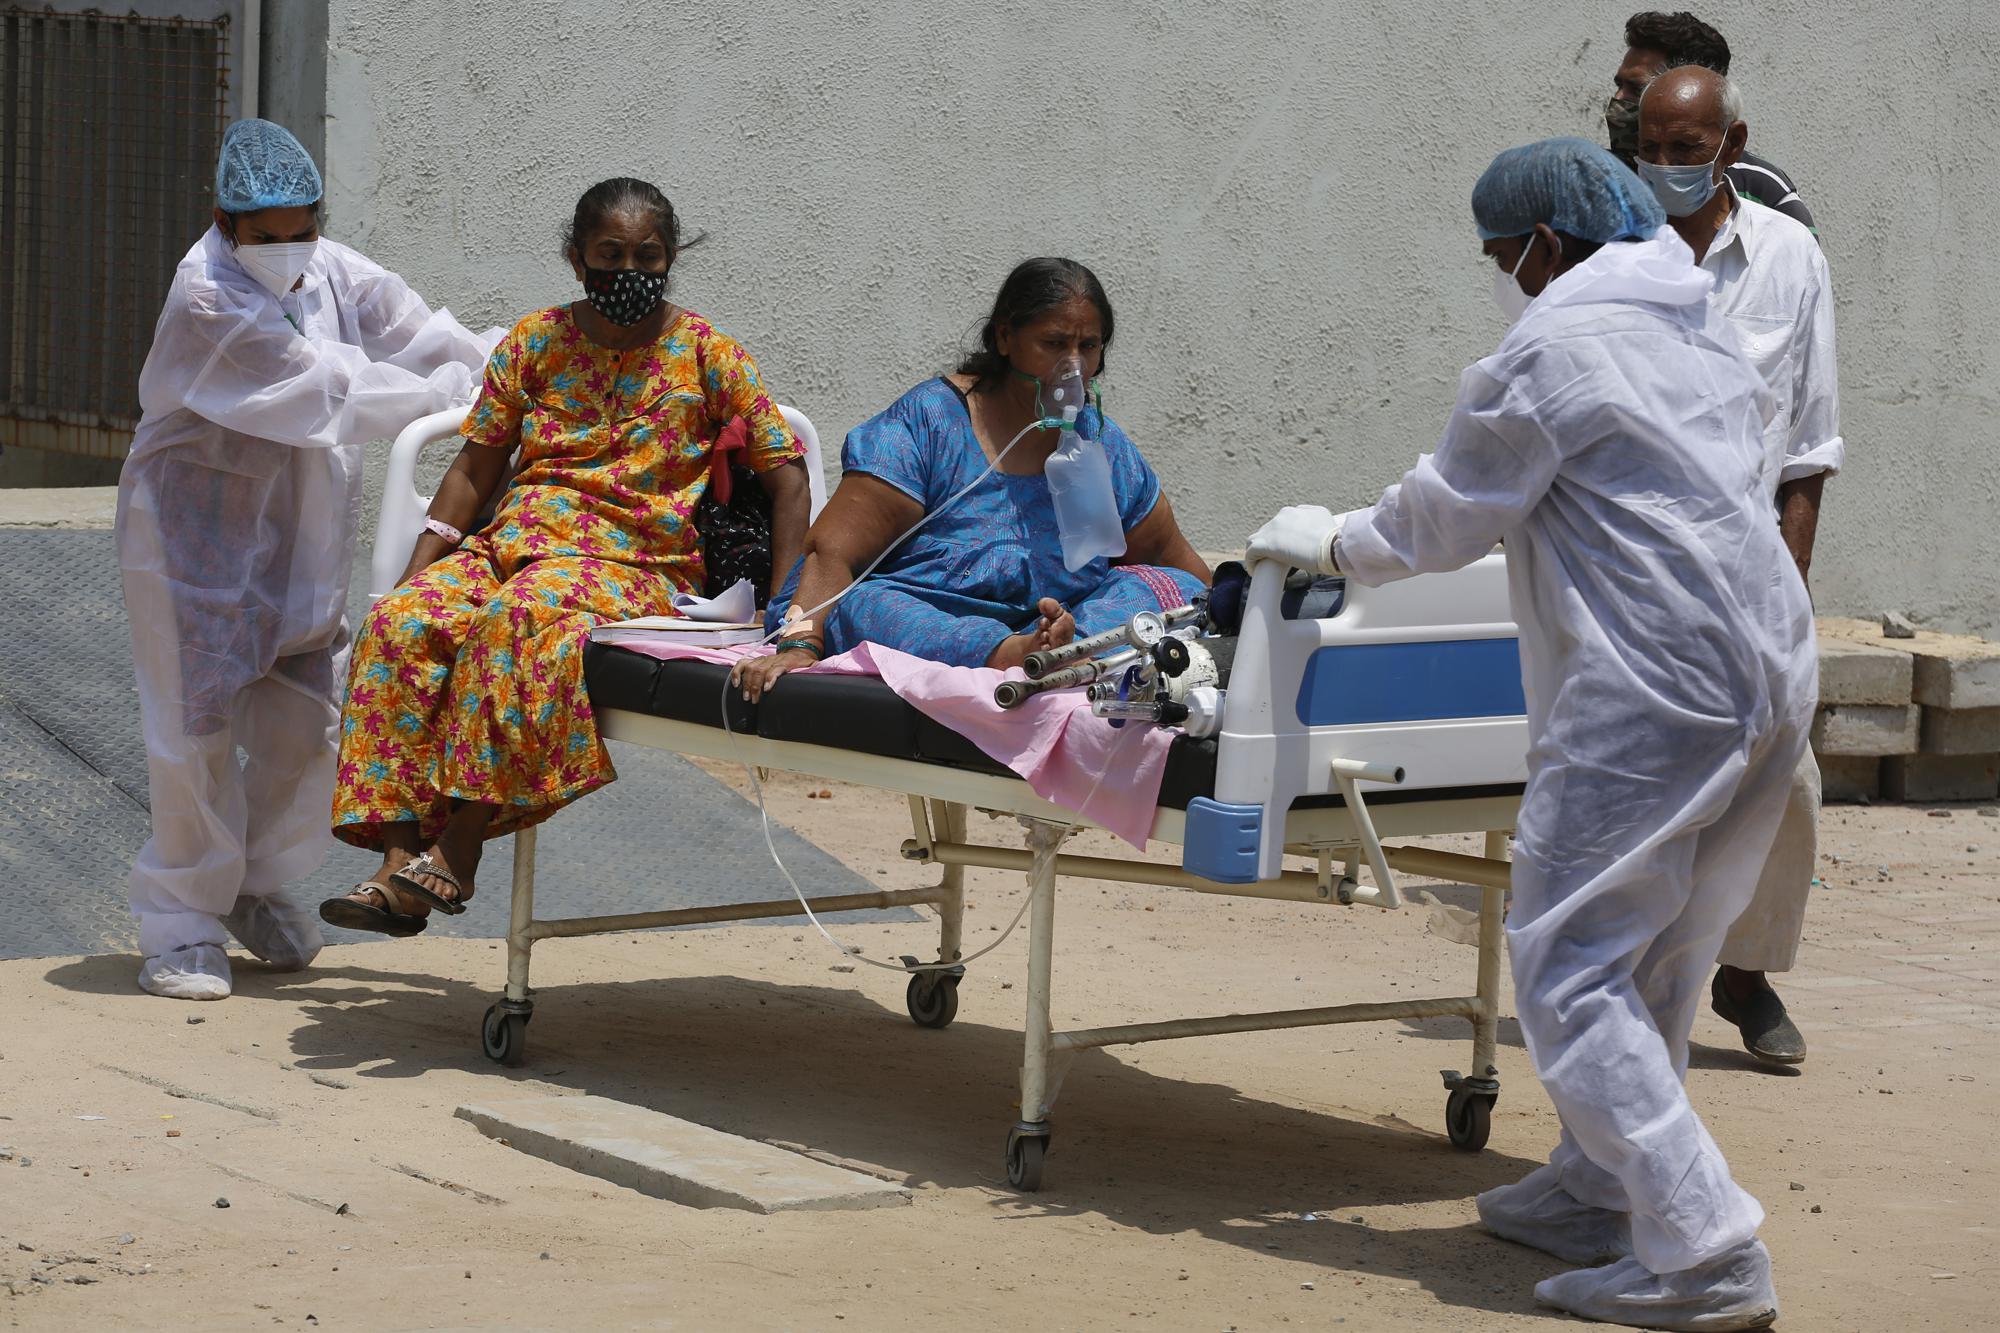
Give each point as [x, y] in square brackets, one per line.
[1771, 283]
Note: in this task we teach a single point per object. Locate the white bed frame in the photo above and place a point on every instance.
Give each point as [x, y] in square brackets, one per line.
[1267, 757]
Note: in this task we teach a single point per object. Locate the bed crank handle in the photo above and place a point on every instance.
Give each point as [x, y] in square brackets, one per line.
[1360, 770]
[1347, 773]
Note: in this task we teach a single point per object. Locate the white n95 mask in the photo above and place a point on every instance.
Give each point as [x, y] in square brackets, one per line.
[1507, 293]
[279, 266]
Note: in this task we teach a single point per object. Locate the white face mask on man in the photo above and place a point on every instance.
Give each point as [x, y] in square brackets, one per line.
[1682, 190]
[1507, 293]
[277, 267]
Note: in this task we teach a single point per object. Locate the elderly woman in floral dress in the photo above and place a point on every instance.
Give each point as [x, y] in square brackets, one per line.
[466, 716]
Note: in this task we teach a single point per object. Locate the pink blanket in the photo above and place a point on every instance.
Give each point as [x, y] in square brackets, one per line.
[1108, 775]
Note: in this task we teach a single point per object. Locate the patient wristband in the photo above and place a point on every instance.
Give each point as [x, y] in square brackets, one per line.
[443, 529]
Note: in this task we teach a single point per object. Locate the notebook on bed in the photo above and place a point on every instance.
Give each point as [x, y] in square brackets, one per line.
[678, 629]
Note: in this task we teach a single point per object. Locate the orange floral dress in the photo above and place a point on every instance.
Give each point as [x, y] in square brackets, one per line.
[467, 681]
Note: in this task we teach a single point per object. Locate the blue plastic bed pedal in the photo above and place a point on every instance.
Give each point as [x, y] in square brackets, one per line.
[1221, 841]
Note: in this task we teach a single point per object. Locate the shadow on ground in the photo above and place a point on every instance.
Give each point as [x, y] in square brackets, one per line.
[831, 1068]
[1736, 1059]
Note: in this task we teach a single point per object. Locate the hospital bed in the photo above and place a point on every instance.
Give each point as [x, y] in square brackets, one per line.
[1398, 716]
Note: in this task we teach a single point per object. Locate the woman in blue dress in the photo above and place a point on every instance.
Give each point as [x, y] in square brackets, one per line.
[984, 584]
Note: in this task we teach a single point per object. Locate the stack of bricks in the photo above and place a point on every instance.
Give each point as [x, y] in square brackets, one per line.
[1913, 719]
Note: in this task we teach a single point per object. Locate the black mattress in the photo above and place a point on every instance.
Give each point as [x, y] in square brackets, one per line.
[862, 714]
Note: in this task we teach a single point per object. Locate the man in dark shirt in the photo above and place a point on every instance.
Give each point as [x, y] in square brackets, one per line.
[1655, 42]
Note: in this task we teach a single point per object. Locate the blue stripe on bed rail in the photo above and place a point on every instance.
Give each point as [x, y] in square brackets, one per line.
[1409, 682]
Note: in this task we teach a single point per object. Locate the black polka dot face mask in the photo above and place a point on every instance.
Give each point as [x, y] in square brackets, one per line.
[624, 295]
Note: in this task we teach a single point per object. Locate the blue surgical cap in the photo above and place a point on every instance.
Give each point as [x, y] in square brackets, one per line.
[1572, 185]
[262, 166]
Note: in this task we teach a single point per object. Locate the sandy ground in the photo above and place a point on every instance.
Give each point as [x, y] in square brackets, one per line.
[1183, 1176]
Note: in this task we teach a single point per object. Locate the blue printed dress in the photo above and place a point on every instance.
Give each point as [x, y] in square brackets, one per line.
[971, 578]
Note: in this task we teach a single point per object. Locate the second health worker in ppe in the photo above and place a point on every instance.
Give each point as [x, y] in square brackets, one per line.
[278, 356]
[1614, 439]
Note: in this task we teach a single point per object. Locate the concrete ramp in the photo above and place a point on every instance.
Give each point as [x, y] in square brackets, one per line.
[73, 789]
[675, 1160]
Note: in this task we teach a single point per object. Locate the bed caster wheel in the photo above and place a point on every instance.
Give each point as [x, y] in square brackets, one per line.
[1468, 1118]
[1025, 1155]
[932, 1000]
[932, 996]
[504, 1035]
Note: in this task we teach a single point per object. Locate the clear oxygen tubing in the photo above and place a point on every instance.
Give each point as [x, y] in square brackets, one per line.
[757, 787]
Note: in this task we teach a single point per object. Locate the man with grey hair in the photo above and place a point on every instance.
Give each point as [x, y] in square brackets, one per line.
[1657, 42]
[1771, 283]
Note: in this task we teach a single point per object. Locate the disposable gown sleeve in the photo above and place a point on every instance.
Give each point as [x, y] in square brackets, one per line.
[238, 362]
[399, 328]
[1496, 461]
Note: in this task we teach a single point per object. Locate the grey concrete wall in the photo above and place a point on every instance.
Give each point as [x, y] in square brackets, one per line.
[1275, 195]
[291, 69]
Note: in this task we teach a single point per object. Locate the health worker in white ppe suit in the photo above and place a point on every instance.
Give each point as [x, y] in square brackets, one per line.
[1614, 443]
[278, 356]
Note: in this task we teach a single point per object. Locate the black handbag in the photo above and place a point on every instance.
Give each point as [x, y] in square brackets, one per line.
[734, 518]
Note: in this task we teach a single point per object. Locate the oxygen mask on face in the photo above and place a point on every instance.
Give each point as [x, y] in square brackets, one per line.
[1062, 397]
[1079, 471]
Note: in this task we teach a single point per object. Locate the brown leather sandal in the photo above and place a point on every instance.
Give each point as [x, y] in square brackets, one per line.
[385, 920]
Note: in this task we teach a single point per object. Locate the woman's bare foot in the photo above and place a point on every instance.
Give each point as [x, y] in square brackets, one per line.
[393, 859]
[393, 896]
[460, 860]
[400, 845]
[1056, 628]
[457, 849]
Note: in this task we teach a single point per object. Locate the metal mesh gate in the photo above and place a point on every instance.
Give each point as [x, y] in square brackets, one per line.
[109, 128]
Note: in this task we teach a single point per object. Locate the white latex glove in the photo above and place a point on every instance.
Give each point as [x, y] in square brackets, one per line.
[1300, 536]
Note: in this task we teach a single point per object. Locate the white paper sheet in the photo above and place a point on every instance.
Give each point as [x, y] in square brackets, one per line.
[739, 604]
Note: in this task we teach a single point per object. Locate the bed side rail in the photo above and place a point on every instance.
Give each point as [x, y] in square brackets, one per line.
[1421, 676]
